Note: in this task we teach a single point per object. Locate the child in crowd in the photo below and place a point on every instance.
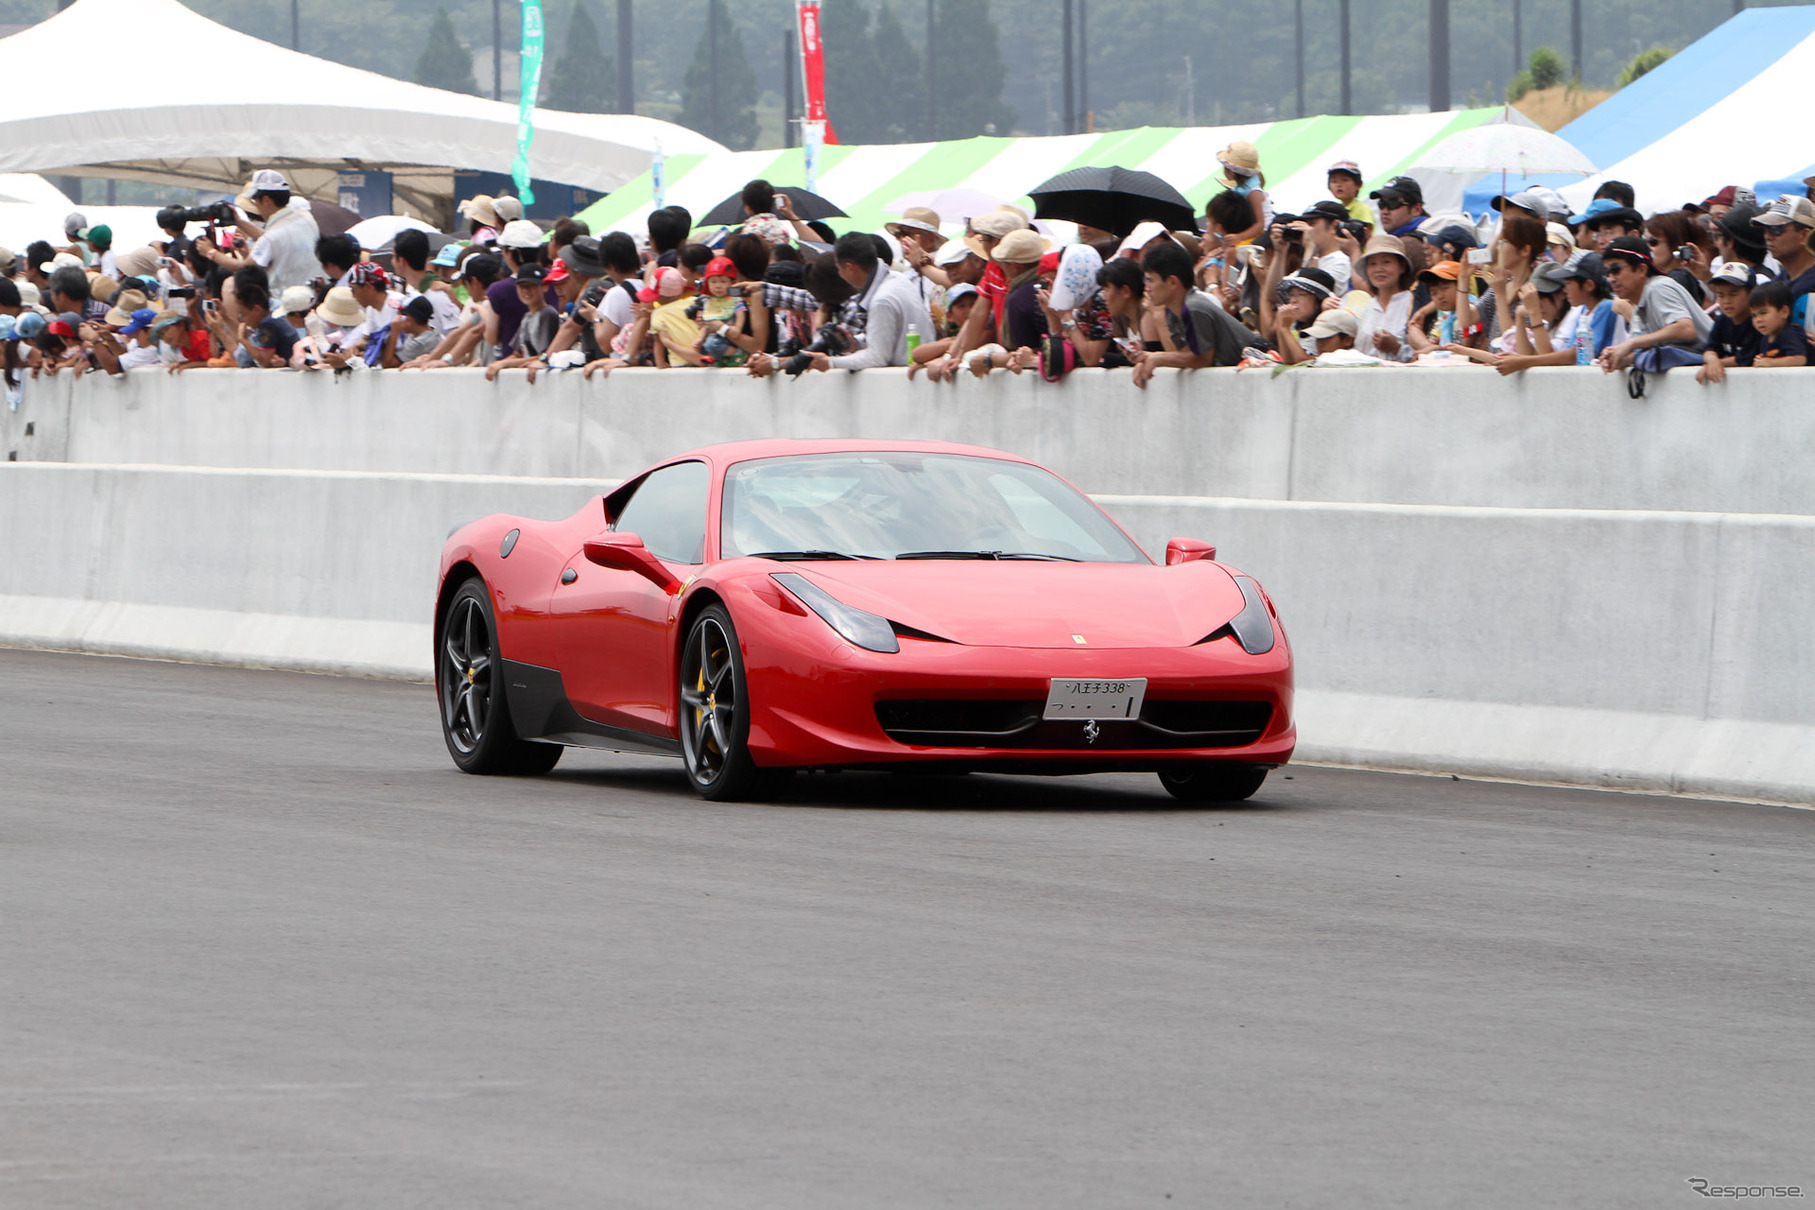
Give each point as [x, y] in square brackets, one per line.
[419, 335]
[1345, 187]
[1242, 176]
[1780, 342]
[959, 301]
[716, 311]
[1603, 324]
[536, 331]
[1433, 325]
[1733, 340]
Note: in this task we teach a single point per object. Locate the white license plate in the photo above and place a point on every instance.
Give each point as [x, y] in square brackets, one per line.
[1095, 699]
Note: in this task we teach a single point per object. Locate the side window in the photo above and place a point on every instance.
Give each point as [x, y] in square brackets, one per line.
[669, 513]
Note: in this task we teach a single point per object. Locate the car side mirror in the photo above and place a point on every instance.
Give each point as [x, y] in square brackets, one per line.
[626, 552]
[1188, 550]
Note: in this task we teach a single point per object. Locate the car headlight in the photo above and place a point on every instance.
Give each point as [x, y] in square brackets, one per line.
[858, 626]
[1253, 626]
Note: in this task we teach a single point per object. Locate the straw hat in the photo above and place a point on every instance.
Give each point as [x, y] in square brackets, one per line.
[999, 223]
[339, 308]
[130, 301]
[482, 210]
[1022, 248]
[918, 218]
[138, 262]
[1386, 245]
[1240, 155]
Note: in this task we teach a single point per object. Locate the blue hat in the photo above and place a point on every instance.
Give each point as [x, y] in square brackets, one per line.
[1600, 205]
[141, 319]
[449, 256]
[29, 326]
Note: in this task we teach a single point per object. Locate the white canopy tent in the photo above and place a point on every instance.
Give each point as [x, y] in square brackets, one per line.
[240, 103]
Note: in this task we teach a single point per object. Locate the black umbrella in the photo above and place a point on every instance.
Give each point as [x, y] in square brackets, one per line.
[1113, 199]
[807, 207]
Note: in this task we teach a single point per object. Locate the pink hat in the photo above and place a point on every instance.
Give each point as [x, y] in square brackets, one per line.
[668, 283]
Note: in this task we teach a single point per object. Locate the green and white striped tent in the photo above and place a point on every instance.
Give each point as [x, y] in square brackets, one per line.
[874, 183]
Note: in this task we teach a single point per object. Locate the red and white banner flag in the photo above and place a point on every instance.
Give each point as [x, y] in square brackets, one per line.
[813, 66]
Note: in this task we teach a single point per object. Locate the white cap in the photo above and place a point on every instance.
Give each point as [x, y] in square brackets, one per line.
[951, 252]
[509, 209]
[520, 233]
[958, 292]
[268, 180]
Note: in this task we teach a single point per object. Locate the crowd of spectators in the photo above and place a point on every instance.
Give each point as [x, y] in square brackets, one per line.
[1720, 284]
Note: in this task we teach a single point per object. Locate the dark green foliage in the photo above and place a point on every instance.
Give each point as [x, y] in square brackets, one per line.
[1547, 67]
[444, 63]
[1643, 62]
[732, 120]
[585, 77]
[968, 73]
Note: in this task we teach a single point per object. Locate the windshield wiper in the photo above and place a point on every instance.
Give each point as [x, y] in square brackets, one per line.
[801, 556]
[985, 554]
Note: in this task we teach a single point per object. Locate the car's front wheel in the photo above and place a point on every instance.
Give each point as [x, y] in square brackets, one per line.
[475, 715]
[715, 713]
[1213, 782]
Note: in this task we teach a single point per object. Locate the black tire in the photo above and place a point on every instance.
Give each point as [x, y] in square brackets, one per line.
[715, 714]
[475, 713]
[1213, 782]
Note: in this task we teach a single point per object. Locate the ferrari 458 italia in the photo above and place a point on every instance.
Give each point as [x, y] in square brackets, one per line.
[769, 606]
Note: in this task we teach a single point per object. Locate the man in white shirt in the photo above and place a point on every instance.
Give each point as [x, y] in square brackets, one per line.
[284, 242]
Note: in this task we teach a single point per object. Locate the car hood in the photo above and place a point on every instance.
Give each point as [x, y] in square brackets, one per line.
[1014, 603]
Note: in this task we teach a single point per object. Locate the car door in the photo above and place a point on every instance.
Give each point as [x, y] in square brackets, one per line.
[617, 636]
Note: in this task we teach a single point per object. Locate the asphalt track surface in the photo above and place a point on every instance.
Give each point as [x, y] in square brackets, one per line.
[264, 947]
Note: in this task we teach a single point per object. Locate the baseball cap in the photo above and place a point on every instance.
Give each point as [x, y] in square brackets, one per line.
[720, 266]
[1525, 199]
[509, 209]
[448, 257]
[1549, 277]
[1348, 166]
[1600, 206]
[1326, 209]
[1735, 273]
[419, 309]
[30, 326]
[1586, 266]
[167, 319]
[533, 274]
[1625, 216]
[557, 272]
[297, 299]
[141, 319]
[1722, 198]
[1633, 251]
[100, 234]
[62, 260]
[1789, 208]
[1403, 189]
[268, 180]
[1443, 270]
[60, 327]
[367, 274]
[1332, 323]
[1560, 235]
[520, 233]
[951, 252]
[959, 291]
[998, 223]
[667, 283]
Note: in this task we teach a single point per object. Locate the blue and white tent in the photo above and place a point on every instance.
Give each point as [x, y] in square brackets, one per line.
[1729, 109]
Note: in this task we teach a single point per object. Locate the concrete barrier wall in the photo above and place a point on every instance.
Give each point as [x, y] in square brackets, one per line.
[1649, 650]
[1553, 438]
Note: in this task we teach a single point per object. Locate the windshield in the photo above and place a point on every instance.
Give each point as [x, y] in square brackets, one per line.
[887, 505]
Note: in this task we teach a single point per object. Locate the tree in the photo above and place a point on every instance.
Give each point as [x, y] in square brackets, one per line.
[968, 72]
[722, 107]
[584, 79]
[900, 84]
[1643, 62]
[1547, 67]
[444, 63]
[852, 100]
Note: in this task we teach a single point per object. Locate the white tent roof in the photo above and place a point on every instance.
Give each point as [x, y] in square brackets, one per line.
[314, 118]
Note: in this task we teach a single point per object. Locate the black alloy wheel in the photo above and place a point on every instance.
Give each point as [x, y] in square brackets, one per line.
[715, 714]
[475, 715]
[1210, 782]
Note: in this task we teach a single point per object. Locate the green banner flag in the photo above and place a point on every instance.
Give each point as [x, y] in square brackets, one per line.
[530, 84]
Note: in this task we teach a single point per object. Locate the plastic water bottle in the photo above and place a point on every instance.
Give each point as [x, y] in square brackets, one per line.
[1584, 342]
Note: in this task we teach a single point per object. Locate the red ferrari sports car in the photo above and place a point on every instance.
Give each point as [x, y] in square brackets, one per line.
[766, 606]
